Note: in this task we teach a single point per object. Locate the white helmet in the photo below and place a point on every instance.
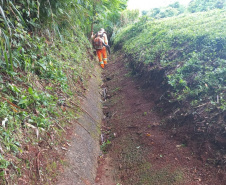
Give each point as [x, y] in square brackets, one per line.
[102, 30]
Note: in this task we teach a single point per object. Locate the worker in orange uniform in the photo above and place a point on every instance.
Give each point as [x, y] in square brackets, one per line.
[98, 39]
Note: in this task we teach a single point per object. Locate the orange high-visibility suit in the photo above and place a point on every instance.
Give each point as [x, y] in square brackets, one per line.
[102, 53]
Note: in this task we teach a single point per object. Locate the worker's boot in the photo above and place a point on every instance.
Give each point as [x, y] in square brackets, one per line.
[105, 61]
[102, 64]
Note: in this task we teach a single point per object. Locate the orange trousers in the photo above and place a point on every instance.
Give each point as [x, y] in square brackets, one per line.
[102, 55]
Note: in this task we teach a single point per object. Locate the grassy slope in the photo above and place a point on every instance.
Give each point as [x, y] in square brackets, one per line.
[45, 78]
[187, 55]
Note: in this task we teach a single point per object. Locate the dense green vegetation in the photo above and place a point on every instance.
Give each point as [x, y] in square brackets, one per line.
[205, 5]
[176, 8]
[169, 11]
[45, 60]
[128, 17]
[189, 53]
[38, 69]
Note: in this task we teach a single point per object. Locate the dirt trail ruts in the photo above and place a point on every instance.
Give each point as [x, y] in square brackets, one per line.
[141, 152]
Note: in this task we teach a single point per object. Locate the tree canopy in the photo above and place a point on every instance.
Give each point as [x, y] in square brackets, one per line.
[169, 11]
[205, 5]
[176, 8]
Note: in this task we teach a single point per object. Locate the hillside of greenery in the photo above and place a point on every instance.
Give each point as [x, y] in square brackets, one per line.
[185, 59]
[205, 5]
[176, 8]
[45, 61]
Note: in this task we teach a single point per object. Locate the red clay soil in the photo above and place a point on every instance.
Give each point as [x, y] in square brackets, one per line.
[141, 152]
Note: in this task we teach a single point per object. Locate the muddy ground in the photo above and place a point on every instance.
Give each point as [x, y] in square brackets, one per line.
[137, 149]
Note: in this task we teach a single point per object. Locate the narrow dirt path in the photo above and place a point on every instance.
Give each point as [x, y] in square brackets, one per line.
[140, 151]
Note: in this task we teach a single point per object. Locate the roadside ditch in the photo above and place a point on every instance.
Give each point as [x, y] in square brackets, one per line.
[80, 162]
